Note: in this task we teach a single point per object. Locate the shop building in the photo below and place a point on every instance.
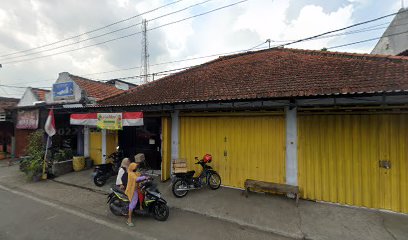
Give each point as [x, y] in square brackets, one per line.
[69, 94]
[29, 115]
[334, 124]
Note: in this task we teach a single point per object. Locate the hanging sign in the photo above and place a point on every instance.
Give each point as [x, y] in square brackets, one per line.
[63, 91]
[111, 121]
[91, 119]
[27, 119]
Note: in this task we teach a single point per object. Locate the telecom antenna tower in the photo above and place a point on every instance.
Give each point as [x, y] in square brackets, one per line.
[144, 71]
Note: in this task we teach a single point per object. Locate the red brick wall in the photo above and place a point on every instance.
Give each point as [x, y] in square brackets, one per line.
[22, 141]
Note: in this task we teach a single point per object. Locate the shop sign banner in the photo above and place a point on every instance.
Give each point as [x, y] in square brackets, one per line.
[27, 119]
[63, 90]
[111, 121]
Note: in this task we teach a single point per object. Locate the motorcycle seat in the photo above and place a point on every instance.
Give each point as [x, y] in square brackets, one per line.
[187, 174]
[117, 189]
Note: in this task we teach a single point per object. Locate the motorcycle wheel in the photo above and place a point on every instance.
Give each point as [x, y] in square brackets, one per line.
[99, 180]
[214, 181]
[114, 210]
[161, 212]
[176, 185]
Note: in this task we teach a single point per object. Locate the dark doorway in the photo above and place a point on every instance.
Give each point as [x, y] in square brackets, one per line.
[143, 139]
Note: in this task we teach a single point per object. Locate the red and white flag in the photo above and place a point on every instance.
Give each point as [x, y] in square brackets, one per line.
[50, 124]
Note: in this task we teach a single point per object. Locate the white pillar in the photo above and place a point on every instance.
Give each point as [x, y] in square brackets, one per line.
[103, 146]
[291, 146]
[175, 125]
[86, 141]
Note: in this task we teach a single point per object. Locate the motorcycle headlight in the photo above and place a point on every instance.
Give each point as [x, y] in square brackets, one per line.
[156, 194]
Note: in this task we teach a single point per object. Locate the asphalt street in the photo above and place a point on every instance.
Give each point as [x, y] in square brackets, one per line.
[26, 216]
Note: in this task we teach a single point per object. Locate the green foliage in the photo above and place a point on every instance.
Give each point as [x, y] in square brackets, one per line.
[62, 155]
[32, 165]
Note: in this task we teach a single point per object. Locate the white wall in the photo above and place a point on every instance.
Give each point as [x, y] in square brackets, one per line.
[28, 98]
[63, 78]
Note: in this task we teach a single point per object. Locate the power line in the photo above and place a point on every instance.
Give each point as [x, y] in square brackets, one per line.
[156, 64]
[340, 29]
[94, 30]
[129, 35]
[12, 86]
[175, 61]
[105, 34]
[367, 40]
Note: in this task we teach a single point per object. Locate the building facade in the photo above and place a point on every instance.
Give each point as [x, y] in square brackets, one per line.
[334, 124]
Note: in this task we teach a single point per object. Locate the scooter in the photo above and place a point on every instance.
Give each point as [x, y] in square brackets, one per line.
[103, 172]
[153, 204]
[184, 182]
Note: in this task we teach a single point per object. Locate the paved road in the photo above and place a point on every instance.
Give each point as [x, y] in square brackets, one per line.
[24, 216]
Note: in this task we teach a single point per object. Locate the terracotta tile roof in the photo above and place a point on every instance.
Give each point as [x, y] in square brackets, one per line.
[95, 89]
[7, 103]
[40, 93]
[274, 73]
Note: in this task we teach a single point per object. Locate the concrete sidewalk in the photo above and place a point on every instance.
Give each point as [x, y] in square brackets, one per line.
[268, 213]
[277, 214]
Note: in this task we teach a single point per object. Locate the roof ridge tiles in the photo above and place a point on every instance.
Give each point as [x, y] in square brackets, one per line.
[271, 73]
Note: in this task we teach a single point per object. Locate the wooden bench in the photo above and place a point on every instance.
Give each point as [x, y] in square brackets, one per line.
[275, 187]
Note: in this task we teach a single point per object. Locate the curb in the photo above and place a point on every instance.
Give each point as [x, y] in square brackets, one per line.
[81, 187]
[230, 220]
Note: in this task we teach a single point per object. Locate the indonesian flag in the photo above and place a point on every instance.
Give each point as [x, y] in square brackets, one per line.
[50, 124]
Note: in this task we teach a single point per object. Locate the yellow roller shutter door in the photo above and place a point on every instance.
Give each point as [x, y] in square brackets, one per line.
[242, 147]
[339, 159]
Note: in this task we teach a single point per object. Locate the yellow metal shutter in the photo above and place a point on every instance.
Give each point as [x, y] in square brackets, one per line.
[339, 159]
[243, 147]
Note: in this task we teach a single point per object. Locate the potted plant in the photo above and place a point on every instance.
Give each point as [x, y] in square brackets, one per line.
[61, 161]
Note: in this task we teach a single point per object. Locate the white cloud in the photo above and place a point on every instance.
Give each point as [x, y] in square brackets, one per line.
[312, 20]
[26, 24]
[268, 20]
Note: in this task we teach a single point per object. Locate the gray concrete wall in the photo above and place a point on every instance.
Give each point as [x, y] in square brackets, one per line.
[397, 43]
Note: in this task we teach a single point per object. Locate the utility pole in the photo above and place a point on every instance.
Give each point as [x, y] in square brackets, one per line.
[144, 71]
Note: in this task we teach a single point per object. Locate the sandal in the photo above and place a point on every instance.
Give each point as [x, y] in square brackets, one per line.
[130, 224]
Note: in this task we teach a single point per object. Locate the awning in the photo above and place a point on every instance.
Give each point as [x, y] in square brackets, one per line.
[91, 119]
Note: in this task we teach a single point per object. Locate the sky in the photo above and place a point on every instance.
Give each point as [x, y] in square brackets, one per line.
[34, 34]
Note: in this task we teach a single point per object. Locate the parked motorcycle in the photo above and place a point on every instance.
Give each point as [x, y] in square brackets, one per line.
[103, 172]
[153, 204]
[184, 182]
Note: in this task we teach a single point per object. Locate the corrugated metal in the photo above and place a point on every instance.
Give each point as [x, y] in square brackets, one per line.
[166, 148]
[95, 147]
[242, 147]
[339, 159]
[95, 144]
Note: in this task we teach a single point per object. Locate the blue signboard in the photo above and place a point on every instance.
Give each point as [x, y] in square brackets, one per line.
[63, 90]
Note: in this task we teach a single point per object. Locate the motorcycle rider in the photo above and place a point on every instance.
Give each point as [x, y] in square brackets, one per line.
[133, 190]
[121, 179]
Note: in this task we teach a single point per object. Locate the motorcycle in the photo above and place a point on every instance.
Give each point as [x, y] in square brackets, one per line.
[153, 204]
[184, 182]
[103, 172]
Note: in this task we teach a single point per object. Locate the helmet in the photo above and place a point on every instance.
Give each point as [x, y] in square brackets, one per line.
[207, 158]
